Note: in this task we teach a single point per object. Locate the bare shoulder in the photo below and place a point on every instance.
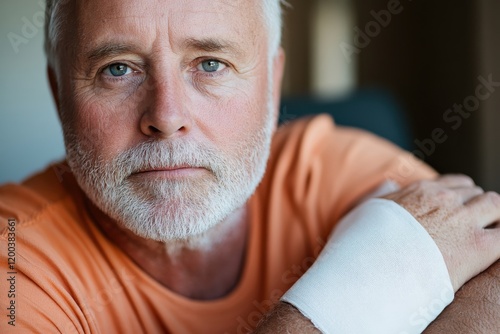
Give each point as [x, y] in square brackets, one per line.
[476, 308]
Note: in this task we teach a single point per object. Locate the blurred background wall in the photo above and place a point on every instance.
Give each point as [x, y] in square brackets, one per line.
[30, 136]
[432, 56]
[440, 59]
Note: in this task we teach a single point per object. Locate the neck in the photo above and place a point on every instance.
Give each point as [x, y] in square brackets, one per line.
[205, 268]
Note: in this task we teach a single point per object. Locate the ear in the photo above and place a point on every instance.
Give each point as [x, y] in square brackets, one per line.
[278, 70]
[54, 88]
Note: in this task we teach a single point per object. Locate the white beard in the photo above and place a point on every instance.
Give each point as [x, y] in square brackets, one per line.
[171, 211]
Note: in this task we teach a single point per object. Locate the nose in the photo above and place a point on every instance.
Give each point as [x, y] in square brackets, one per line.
[166, 114]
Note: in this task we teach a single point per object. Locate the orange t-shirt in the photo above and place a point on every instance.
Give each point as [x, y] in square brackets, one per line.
[69, 278]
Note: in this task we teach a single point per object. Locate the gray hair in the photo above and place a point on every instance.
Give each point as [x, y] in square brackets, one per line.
[271, 10]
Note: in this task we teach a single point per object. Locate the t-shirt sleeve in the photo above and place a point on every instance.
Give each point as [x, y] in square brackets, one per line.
[37, 297]
[332, 168]
[28, 305]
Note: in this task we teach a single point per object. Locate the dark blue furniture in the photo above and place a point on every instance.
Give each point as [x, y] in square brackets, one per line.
[374, 110]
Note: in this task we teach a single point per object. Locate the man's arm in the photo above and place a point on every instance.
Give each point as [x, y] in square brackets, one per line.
[476, 308]
[454, 212]
[285, 319]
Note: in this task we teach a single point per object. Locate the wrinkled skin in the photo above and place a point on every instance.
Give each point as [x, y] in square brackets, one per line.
[476, 308]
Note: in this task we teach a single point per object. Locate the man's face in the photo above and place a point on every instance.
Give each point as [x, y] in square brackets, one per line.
[167, 109]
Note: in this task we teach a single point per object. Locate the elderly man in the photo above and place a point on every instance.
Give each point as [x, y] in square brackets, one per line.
[182, 209]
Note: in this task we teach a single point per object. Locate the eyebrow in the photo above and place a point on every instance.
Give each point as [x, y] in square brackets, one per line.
[211, 45]
[107, 50]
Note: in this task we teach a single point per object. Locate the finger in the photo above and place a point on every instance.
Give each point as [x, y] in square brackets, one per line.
[466, 194]
[492, 238]
[488, 249]
[486, 207]
[493, 226]
[455, 181]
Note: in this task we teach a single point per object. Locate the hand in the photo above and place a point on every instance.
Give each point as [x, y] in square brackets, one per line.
[462, 220]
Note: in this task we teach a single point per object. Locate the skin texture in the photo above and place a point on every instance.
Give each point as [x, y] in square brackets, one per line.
[460, 218]
[285, 319]
[476, 308]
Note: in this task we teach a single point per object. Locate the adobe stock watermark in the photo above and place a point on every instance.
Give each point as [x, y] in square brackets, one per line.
[101, 299]
[11, 272]
[453, 119]
[286, 117]
[288, 278]
[363, 37]
[29, 28]
[427, 313]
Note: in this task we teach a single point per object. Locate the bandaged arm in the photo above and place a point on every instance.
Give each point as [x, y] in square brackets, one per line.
[380, 272]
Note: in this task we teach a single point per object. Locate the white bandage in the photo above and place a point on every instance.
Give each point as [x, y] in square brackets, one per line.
[380, 272]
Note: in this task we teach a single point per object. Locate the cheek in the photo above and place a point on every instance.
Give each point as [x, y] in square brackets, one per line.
[102, 124]
[234, 119]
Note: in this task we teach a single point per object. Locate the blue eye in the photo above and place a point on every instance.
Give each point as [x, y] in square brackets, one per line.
[118, 70]
[211, 65]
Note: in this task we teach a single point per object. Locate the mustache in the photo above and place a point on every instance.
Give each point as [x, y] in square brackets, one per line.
[156, 155]
[150, 155]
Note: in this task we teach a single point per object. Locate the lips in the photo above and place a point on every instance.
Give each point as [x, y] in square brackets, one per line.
[170, 172]
[166, 169]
